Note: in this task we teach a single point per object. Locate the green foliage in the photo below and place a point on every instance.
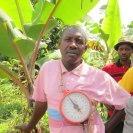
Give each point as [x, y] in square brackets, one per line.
[95, 58]
[50, 56]
[13, 106]
[52, 38]
[111, 24]
[12, 102]
[103, 112]
[50, 42]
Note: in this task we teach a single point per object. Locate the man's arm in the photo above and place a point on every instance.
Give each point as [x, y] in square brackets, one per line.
[118, 115]
[39, 110]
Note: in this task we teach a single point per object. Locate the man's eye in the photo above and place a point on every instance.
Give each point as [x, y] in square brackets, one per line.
[68, 39]
[80, 42]
[127, 49]
[120, 49]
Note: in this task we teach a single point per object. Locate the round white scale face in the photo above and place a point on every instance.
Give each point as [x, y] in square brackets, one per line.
[75, 107]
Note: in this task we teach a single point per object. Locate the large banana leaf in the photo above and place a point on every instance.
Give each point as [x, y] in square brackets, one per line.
[112, 23]
[10, 37]
[68, 10]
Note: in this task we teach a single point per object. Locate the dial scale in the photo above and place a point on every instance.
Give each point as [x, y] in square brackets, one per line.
[75, 107]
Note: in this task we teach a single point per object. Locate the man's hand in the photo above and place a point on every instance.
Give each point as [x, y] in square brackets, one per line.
[39, 110]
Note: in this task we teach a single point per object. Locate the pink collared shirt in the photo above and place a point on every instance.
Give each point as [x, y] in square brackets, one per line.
[98, 85]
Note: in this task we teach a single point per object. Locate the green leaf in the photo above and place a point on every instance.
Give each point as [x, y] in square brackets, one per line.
[26, 47]
[42, 11]
[33, 31]
[71, 11]
[4, 17]
[11, 9]
[8, 35]
[111, 24]
[52, 56]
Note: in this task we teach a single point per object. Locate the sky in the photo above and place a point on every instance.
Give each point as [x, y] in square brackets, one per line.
[126, 10]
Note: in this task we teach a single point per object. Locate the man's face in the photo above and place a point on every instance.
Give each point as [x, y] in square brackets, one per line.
[124, 52]
[72, 46]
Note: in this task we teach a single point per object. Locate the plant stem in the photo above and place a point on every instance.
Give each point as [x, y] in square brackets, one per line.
[16, 80]
[34, 56]
[20, 16]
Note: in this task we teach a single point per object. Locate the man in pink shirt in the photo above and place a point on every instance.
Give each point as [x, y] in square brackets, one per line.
[74, 74]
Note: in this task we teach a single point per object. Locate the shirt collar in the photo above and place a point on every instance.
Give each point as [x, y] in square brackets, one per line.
[79, 70]
[62, 67]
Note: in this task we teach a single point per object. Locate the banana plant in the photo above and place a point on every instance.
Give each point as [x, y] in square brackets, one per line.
[111, 28]
[22, 27]
[105, 34]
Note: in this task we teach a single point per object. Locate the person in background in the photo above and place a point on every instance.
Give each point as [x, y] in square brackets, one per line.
[127, 83]
[71, 73]
[117, 69]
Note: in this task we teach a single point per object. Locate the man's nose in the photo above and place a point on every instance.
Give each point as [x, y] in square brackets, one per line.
[73, 44]
[123, 51]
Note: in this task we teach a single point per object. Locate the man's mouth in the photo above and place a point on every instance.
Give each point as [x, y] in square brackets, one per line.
[72, 52]
[124, 56]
